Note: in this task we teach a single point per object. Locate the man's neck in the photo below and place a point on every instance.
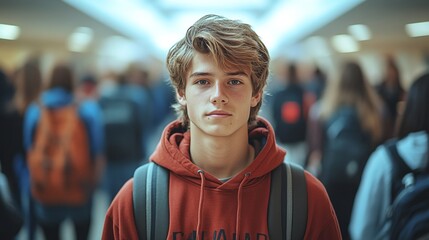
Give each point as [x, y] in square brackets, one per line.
[222, 157]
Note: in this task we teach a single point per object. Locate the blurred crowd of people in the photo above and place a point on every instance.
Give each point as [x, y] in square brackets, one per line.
[347, 123]
[122, 114]
[331, 127]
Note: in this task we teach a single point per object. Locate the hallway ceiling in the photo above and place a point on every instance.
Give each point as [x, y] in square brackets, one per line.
[157, 24]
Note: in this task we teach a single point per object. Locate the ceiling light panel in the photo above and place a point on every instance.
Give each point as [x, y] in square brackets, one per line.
[344, 43]
[360, 32]
[9, 32]
[419, 29]
[317, 46]
[80, 39]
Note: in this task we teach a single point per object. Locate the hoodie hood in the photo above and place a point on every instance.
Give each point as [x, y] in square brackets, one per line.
[173, 154]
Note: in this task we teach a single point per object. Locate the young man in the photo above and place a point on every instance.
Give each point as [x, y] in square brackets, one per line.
[219, 154]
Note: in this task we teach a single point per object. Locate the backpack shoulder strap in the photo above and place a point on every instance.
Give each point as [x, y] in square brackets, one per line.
[288, 192]
[399, 167]
[298, 193]
[288, 185]
[396, 158]
[150, 200]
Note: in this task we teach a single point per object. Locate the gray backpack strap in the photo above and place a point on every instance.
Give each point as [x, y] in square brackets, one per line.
[150, 200]
[298, 187]
[287, 211]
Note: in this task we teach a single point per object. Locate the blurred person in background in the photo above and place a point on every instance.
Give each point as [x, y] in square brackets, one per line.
[162, 97]
[138, 77]
[87, 88]
[350, 127]
[127, 121]
[27, 80]
[374, 196]
[316, 84]
[392, 93]
[290, 109]
[52, 106]
[11, 216]
[10, 139]
[316, 87]
[158, 110]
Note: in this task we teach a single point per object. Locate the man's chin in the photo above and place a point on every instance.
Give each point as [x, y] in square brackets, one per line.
[215, 130]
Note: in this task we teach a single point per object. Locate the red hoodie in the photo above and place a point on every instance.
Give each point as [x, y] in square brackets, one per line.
[237, 205]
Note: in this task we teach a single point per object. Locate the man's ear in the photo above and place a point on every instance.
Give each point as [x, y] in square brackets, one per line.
[255, 99]
[181, 99]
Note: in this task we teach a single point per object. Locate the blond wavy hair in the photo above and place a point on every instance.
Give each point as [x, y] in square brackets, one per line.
[233, 44]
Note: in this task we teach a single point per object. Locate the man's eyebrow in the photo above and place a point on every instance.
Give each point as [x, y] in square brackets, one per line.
[238, 73]
[197, 74]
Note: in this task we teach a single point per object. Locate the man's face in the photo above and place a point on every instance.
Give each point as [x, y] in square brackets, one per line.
[218, 100]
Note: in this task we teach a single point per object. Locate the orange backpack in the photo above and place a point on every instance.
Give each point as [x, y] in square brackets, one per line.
[59, 162]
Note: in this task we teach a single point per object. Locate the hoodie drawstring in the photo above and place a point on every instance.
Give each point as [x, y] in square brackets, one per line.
[237, 223]
[201, 202]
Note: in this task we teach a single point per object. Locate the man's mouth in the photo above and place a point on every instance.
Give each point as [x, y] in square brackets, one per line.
[218, 113]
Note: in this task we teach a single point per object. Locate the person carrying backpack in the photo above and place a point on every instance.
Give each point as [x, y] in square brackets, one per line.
[395, 182]
[219, 155]
[63, 141]
[349, 119]
[290, 108]
[127, 121]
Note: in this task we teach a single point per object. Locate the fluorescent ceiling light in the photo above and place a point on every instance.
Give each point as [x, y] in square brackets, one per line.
[417, 29]
[158, 24]
[345, 43]
[9, 32]
[317, 46]
[291, 20]
[360, 32]
[80, 39]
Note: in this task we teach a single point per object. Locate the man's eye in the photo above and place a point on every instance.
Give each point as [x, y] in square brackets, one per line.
[202, 82]
[235, 82]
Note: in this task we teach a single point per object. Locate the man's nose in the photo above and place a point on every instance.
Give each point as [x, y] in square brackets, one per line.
[218, 94]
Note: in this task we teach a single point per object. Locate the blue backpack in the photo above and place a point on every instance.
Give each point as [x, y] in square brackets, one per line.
[408, 215]
[287, 211]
